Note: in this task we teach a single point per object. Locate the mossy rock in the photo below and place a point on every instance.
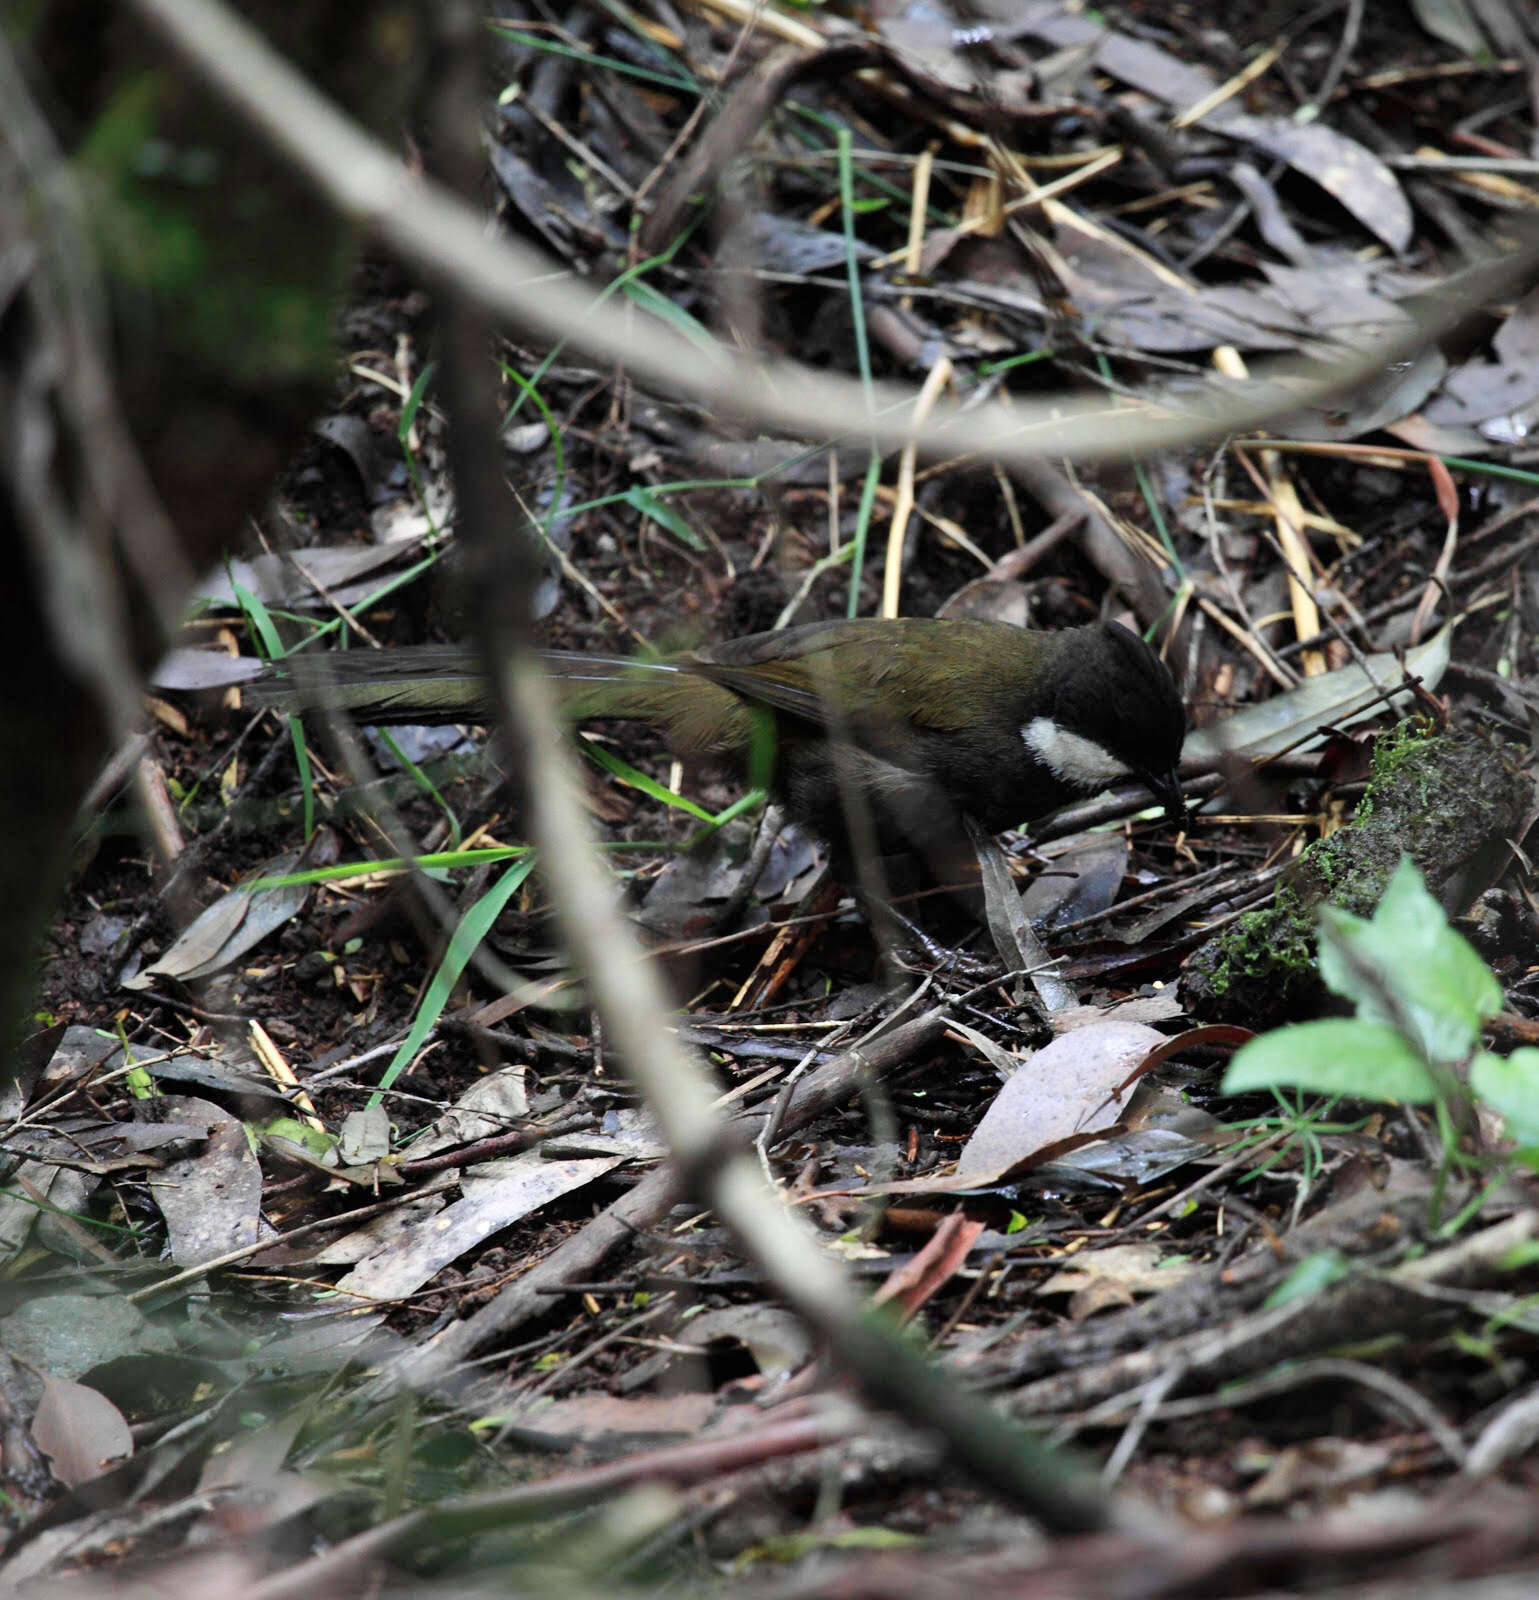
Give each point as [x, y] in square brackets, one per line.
[1449, 801]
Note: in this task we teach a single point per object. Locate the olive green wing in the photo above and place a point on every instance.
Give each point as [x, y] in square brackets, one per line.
[929, 672]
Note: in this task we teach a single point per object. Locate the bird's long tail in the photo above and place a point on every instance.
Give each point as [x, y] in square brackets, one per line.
[433, 684]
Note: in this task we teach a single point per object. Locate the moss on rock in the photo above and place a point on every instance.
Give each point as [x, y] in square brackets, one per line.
[1448, 801]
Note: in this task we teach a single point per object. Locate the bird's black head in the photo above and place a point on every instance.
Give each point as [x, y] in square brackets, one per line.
[1113, 710]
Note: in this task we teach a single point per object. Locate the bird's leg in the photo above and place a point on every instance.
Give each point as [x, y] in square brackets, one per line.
[949, 958]
[895, 932]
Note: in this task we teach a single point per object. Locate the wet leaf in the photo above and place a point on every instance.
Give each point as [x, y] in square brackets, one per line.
[1078, 882]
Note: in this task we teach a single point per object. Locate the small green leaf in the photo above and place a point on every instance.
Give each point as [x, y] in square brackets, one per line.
[649, 505]
[1407, 967]
[1472, 1345]
[1522, 1254]
[1312, 1276]
[315, 1140]
[1368, 1060]
[1510, 1085]
[1341, 937]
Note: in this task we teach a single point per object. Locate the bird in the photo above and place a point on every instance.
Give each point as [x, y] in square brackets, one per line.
[923, 721]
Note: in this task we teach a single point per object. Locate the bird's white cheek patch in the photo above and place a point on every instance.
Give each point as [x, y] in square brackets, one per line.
[1070, 756]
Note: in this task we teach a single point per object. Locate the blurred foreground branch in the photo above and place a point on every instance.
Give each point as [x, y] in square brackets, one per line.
[445, 240]
[716, 1167]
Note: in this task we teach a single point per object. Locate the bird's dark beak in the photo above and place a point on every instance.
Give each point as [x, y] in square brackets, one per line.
[1166, 788]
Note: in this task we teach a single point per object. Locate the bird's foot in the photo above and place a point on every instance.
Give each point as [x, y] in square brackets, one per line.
[944, 958]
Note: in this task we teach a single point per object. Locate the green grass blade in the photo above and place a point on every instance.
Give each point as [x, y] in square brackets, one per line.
[271, 645]
[473, 928]
[633, 778]
[648, 504]
[423, 782]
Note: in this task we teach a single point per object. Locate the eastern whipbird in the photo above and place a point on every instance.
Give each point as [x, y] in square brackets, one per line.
[930, 721]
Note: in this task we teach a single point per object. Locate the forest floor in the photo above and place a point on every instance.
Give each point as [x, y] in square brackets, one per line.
[275, 1144]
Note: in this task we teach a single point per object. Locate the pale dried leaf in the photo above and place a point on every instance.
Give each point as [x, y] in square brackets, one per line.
[491, 1105]
[364, 1136]
[80, 1431]
[1339, 698]
[1071, 1088]
[500, 1194]
[1135, 1268]
[225, 931]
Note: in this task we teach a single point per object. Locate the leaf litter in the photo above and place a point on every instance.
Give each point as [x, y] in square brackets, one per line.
[504, 1196]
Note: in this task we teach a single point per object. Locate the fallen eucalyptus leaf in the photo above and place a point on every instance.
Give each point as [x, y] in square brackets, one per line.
[1338, 698]
[80, 1431]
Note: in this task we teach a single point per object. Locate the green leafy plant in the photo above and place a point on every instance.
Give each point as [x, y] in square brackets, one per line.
[1421, 994]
